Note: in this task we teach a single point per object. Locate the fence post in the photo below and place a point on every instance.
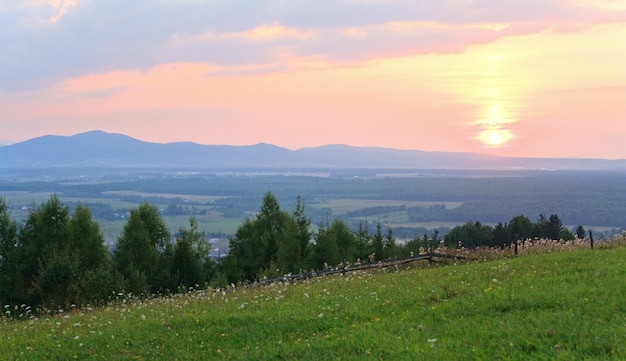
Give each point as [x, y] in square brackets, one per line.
[430, 255]
[591, 238]
[516, 237]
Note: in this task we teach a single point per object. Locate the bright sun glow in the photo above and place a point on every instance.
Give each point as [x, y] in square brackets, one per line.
[495, 138]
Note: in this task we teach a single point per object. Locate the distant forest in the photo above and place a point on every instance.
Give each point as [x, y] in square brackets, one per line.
[592, 198]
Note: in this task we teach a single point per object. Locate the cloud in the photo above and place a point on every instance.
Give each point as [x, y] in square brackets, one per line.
[48, 41]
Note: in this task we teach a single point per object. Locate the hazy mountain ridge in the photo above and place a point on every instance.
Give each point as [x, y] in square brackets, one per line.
[101, 149]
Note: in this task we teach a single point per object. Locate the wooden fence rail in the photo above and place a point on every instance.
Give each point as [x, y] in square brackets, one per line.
[430, 257]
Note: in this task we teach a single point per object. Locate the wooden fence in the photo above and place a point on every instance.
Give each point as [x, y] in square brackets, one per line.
[430, 257]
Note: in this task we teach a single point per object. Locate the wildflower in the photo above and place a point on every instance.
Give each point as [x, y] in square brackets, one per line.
[143, 317]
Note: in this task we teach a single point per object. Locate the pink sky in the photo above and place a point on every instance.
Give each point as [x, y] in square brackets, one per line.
[517, 78]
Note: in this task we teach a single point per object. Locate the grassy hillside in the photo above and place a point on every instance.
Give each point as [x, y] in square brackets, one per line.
[563, 305]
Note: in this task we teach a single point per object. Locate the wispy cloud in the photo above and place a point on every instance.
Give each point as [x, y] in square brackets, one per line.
[75, 37]
[450, 71]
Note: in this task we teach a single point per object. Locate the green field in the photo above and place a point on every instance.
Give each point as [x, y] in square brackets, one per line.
[343, 205]
[214, 221]
[562, 305]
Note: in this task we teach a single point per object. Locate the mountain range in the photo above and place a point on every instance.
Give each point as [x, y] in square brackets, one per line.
[98, 149]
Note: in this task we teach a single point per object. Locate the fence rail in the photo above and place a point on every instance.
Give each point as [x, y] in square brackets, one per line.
[430, 257]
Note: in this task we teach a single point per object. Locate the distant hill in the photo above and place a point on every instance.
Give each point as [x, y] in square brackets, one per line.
[100, 149]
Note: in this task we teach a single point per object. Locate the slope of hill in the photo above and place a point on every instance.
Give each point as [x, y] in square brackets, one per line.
[100, 149]
[564, 305]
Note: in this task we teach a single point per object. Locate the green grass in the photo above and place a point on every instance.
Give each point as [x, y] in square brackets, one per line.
[563, 305]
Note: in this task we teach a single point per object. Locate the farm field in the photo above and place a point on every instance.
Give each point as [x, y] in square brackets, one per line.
[411, 206]
[340, 206]
[213, 221]
[562, 305]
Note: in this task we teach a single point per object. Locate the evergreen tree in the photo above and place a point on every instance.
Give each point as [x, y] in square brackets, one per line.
[377, 246]
[326, 250]
[389, 245]
[580, 232]
[362, 240]
[554, 227]
[304, 231]
[500, 235]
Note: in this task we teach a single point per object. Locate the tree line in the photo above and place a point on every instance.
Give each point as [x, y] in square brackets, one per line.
[57, 258]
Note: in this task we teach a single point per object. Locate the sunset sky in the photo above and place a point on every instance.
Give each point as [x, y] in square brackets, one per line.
[532, 78]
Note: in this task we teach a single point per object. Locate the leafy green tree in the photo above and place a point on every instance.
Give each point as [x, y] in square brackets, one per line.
[9, 263]
[191, 250]
[413, 246]
[137, 252]
[500, 235]
[566, 234]
[243, 261]
[520, 226]
[326, 249]
[47, 263]
[86, 238]
[471, 235]
[263, 245]
[57, 281]
[341, 234]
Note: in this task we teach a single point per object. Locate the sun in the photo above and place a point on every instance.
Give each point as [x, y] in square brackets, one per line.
[495, 138]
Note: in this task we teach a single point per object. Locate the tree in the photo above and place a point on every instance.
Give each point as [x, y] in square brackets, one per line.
[48, 265]
[500, 236]
[87, 239]
[520, 228]
[267, 245]
[191, 250]
[377, 246]
[580, 232]
[553, 227]
[137, 251]
[9, 263]
[303, 236]
[389, 245]
[471, 235]
[341, 234]
[362, 240]
[326, 250]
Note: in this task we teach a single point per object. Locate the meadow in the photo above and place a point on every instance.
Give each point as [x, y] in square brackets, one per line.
[555, 300]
